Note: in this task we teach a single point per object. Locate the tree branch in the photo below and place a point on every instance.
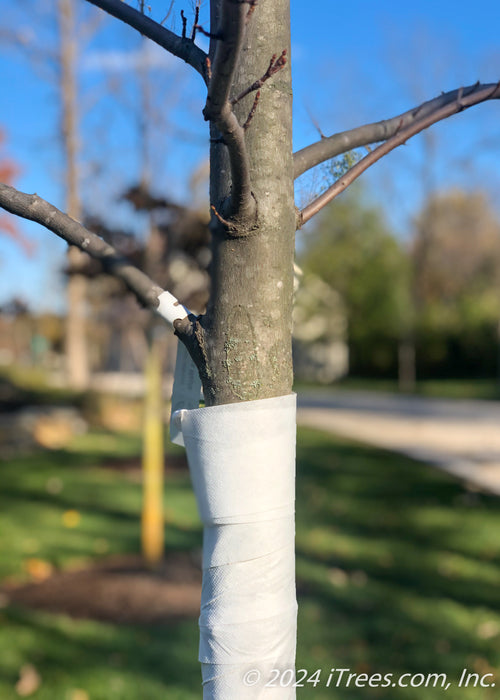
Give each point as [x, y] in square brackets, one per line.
[181, 47]
[335, 145]
[148, 293]
[275, 65]
[218, 109]
[34, 208]
[463, 99]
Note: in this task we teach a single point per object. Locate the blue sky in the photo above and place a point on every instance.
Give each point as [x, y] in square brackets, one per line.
[360, 63]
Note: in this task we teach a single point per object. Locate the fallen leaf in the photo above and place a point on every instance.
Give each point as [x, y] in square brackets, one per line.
[78, 694]
[71, 518]
[29, 681]
[39, 569]
[488, 629]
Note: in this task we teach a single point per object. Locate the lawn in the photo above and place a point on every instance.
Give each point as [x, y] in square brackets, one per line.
[398, 572]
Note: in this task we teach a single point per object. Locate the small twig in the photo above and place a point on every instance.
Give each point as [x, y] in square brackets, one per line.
[184, 24]
[275, 65]
[169, 12]
[315, 124]
[209, 35]
[251, 9]
[252, 111]
[195, 23]
[220, 218]
[399, 126]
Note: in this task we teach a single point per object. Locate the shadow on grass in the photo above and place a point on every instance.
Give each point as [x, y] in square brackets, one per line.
[65, 505]
[106, 661]
[398, 570]
[65, 508]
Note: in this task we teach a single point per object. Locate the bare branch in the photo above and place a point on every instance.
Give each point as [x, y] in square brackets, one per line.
[275, 65]
[202, 30]
[195, 23]
[169, 12]
[148, 293]
[230, 39]
[252, 111]
[184, 24]
[332, 146]
[463, 99]
[181, 47]
[315, 123]
[219, 111]
[220, 218]
[34, 208]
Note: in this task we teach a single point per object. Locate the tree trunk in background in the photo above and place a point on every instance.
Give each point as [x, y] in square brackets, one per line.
[406, 366]
[77, 356]
[248, 325]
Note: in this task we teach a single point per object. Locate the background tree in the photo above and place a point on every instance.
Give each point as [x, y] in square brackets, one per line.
[56, 59]
[352, 249]
[77, 350]
[241, 346]
[455, 257]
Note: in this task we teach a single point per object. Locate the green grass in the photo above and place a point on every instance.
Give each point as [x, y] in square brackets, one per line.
[399, 568]
[39, 489]
[398, 571]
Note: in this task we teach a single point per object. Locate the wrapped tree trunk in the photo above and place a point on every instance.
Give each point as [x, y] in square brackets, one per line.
[242, 455]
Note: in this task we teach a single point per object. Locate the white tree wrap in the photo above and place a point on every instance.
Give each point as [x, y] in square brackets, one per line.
[242, 462]
[170, 308]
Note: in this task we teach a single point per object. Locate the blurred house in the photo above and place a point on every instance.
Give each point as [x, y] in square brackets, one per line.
[320, 349]
[30, 340]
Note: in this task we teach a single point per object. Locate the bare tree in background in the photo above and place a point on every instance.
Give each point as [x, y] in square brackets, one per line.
[77, 351]
[241, 346]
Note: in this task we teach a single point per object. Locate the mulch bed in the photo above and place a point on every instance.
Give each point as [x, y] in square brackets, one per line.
[120, 589]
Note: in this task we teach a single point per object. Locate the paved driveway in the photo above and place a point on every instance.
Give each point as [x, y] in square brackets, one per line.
[461, 437]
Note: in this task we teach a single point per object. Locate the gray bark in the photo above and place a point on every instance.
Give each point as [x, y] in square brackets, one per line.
[77, 355]
[245, 336]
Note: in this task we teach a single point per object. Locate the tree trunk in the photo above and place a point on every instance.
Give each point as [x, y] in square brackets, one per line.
[77, 356]
[242, 456]
[248, 325]
[407, 375]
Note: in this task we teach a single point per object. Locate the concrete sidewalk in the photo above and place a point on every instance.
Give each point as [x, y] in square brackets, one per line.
[460, 437]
